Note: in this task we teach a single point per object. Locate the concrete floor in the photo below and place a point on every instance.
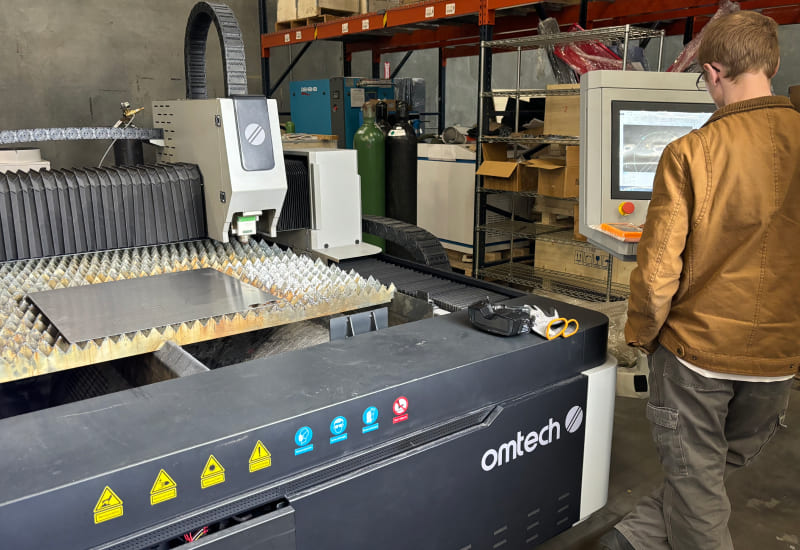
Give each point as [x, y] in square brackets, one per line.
[765, 497]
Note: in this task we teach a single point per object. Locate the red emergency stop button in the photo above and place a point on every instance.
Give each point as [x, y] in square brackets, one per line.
[626, 208]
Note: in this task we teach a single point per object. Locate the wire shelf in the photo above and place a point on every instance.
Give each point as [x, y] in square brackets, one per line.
[605, 34]
[562, 140]
[523, 230]
[531, 194]
[532, 92]
[563, 237]
[576, 286]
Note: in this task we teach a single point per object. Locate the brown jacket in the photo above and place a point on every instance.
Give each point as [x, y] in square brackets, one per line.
[718, 276]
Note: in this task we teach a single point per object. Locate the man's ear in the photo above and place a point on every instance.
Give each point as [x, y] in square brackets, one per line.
[712, 76]
[778, 66]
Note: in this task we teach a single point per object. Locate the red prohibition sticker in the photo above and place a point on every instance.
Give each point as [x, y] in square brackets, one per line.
[400, 405]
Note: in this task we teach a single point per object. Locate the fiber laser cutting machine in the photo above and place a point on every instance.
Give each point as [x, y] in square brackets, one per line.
[428, 434]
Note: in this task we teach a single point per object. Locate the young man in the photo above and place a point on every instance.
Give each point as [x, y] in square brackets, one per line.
[715, 299]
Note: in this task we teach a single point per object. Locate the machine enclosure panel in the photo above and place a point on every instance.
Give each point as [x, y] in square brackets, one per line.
[441, 497]
[444, 368]
[335, 231]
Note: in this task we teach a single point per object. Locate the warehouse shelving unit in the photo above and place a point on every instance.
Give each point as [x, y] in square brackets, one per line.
[518, 269]
[459, 28]
[456, 27]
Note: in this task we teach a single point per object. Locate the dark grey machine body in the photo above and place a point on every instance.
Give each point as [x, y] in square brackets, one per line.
[415, 482]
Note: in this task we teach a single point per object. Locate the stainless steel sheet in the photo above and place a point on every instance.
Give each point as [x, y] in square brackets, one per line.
[90, 312]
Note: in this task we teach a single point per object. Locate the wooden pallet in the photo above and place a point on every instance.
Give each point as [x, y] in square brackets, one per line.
[462, 261]
[558, 212]
[307, 21]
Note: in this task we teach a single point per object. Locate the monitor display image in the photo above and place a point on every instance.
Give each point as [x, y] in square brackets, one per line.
[640, 132]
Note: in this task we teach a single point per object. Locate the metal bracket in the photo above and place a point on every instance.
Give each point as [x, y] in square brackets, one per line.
[348, 326]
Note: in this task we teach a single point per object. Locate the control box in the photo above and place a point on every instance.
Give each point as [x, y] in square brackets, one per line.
[627, 119]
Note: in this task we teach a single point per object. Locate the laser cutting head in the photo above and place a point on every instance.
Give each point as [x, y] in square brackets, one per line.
[236, 142]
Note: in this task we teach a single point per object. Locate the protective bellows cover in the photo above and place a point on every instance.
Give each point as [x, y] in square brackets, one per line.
[55, 212]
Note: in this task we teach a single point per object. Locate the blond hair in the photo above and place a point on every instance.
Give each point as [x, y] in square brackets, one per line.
[744, 42]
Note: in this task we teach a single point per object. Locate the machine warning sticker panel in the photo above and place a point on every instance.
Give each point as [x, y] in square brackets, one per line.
[260, 458]
[164, 488]
[213, 473]
[109, 506]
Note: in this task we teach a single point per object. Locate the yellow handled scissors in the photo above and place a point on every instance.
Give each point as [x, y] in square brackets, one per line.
[561, 326]
[553, 325]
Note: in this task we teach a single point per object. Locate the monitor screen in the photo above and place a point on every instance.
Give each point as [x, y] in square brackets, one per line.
[640, 130]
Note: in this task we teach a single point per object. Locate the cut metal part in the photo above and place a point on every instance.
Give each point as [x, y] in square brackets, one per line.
[89, 312]
[30, 345]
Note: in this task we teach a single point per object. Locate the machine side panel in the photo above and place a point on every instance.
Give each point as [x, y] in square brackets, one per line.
[514, 482]
[597, 447]
[337, 194]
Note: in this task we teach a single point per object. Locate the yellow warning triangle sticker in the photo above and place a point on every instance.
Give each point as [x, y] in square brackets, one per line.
[163, 489]
[109, 506]
[163, 482]
[212, 474]
[213, 467]
[108, 499]
[260, 458]
[260, 452]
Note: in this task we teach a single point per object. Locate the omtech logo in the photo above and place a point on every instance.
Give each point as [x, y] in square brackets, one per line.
[528, 443]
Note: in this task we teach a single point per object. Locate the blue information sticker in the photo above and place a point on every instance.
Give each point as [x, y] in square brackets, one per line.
[338, 425]
[303, 436]
[370, 415]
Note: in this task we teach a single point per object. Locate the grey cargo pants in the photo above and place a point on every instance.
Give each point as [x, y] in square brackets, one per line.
[704, 430]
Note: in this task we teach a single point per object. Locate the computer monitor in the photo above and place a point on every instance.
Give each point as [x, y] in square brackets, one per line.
[640, 131]
[627, 119]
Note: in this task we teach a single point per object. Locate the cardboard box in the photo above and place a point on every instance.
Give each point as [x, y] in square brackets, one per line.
[794, 95]
[376, 6]
[581, 260]
[504, 174]
[562, 116]
[312, 8]
[558, 177]
[287, 11]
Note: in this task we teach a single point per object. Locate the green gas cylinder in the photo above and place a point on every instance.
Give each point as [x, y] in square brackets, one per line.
[369, 144]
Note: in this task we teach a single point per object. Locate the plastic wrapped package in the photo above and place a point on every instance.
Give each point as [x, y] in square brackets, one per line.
[588, 56]
[561, 71]
[688, 55]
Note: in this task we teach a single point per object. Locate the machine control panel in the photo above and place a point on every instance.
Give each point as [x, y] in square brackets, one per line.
[627, 119]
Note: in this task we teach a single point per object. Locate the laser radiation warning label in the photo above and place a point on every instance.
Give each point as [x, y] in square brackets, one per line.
[109, 506]
[164, 488]
[213, 473]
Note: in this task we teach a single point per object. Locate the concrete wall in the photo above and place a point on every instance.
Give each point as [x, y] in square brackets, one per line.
[71, 62]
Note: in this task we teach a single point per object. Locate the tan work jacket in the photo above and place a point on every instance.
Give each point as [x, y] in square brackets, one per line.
[718, 276]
